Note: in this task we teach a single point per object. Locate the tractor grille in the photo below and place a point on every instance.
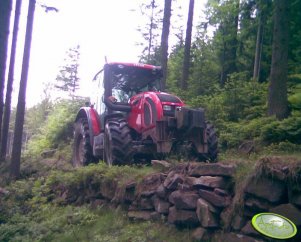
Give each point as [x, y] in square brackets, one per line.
[170, 113]
[168, 98]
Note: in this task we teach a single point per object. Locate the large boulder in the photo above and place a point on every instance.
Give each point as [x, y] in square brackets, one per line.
[272, 190]
[161, 206]
[207, 181]
[213, 169]
[207, 214]
[149, 185]
[215, 198]
[184, 199]
[172, 180]
[143, 215]
[182, 217]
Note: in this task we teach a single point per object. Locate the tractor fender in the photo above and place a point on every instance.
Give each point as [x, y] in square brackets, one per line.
[93, 120]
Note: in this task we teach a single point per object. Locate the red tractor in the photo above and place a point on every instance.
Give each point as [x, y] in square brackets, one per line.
[133, 121]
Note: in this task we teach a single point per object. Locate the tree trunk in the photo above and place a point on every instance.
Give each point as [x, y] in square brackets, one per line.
[164, 41]
[259, 42]
[186, 61]
[5, 12]
[230, 44]
[18, 132]
[9, 87]
[277, 100]
[150, 40]
[258, 50]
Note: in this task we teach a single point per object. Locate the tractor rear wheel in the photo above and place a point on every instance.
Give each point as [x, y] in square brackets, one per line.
[211, 156]
[82, 148]
[118, 149]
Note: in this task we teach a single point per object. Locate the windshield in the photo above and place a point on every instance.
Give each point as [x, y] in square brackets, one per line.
[128, 81]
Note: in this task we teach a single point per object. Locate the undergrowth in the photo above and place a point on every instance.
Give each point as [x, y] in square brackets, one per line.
[30, 211]
[69, 223]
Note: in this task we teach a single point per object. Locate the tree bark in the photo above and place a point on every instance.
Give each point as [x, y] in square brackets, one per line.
[164, 41]
[258, 50]
[9, 87]
[5, 12]
[150, 40]
[230, 28]
[18, 132]
[186, 61]
[277, 98]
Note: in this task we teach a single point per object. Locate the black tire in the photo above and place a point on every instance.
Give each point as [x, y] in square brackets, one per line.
[212, 142]
[118, 148]
[82, 148]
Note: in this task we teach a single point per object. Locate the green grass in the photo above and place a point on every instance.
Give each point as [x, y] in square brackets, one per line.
[69, 223]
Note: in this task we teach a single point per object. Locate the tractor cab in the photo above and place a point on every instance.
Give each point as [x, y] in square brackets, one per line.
[117, 82]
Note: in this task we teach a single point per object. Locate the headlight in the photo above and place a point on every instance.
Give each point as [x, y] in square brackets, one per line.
[166, 108]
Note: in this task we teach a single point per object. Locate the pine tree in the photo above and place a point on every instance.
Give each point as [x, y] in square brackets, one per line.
[68, 80]
[18, 132]
[164, 40]
[9, 87]
[186, 61]
[277, 101]
[5, 12]
[150, 33]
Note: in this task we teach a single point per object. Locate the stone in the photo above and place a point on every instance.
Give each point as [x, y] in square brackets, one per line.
[258, 205]
[221, 192]
[225, 218]
[294, 192]
[213, 169]
[207, 218]
[272, 190]
[200, 234]
[173, 180]
[296, 199]
[233, 237]
[249, 230]
[155, 216]
[207, 181]
[108, 189]
[161, 191]
[145, 204]
[125, 193]
[149, 185]
[215, 199]
[161, 206]
[161, 165]
[289, 211]
[140, 215]
[184, 199]
[182, 217]
[238, 222]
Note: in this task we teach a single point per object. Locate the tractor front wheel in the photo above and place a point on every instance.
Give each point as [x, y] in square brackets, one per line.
[117, 143]
[82, 148]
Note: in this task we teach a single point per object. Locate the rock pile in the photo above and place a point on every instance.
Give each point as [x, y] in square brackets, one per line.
[190, 195]
[275, 187]
[202, 196]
